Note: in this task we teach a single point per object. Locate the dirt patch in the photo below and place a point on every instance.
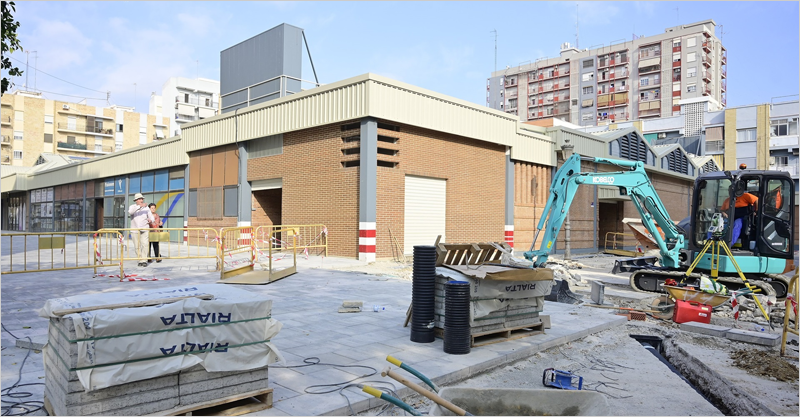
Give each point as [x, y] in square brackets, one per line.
[755, 362]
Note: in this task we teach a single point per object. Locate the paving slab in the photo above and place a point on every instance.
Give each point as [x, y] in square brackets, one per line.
[307, 304]
[703, 328]
[765, 339]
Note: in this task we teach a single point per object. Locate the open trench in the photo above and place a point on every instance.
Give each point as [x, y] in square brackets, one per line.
[727, 397]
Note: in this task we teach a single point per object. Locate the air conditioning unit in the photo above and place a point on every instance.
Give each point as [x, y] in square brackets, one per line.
[65, 107]
[772, 160]
[662, 135]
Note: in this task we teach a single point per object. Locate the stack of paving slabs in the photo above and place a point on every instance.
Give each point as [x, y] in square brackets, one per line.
[210, 344]
[501, 298]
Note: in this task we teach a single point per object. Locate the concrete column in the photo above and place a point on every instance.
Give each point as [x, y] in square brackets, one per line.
[509, 217]
[186, 205]
[245, 194]
[368, 190]
[762, 137]
[730, 140]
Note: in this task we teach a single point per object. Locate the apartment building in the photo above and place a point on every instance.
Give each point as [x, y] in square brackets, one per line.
[185, 100]
[626, 80]
[33, 125]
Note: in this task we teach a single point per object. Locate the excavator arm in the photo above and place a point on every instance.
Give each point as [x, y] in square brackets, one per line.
[631, 181]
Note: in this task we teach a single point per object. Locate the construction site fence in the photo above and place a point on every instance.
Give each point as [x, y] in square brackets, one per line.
[201, 243]
[258, 244]
[308, 238]
[59, 251]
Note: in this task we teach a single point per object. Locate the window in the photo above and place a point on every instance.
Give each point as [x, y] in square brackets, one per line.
[588, 63]
[512, 103]
[48, 119]
[691, 57]
[781, 160]
[98, 147]
[185, 97]
[208, 102]
[746, 135]
[70, 139]
[119, 127]
[691, 72]
[48, 138]
[588, 90]
[17, 135]
[676, 43]
[690, 42]
[587, 103]
[231, 206]
[691, 88]
[589, 76]
[17, 154]
[574, 101]
[644, 81]
[19, 116]
[676, 57]
[783, 127]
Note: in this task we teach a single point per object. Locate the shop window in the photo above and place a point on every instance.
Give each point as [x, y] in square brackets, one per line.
[231, 208]
[147, 182]
[161, 180]
[134, 184]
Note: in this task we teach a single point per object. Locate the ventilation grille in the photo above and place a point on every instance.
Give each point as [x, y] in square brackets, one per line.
[710, 166]
[677, 162]
[633, 148]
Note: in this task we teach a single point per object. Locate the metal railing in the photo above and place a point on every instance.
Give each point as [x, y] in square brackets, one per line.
[197, 102]
[309, 236]
[5, 119]
[69, 145]
[715, 145]
[54, 251]
[6, 139]
[201, 243]
[85, 128]
[180, 116]
[240, 241]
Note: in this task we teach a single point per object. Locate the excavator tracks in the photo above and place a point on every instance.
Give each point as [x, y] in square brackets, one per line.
[650, 280]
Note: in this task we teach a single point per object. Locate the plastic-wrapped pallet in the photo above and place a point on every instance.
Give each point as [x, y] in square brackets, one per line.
[134, 361]
[512, 301]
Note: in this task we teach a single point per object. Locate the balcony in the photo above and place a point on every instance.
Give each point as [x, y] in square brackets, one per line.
[706, 59]
[676, 64]
[5, 159]
[715, 146]
[676, 93]
[707, 90]
[185, 117]
[676, 109]
[511, 83]
[561, 86]
[649, 54]
[6, 140]
[94, 130]
[612, 117]
[676, 49]
[6, 120]
[707, 46]
[724, 57]
[205, 102]
[723, 84]
[81, 147]
[724, 101]
[706, 76]
[511, 94]
[650, 113]
[650, 69]
[676, 78]
[791, 169]
[724, 72]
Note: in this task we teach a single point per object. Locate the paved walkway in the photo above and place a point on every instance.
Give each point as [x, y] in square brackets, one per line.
[307, 304]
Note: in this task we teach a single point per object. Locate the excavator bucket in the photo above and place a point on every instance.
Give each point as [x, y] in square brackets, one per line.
[633, 264]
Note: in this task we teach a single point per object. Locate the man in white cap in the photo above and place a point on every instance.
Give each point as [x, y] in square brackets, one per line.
[141, 218]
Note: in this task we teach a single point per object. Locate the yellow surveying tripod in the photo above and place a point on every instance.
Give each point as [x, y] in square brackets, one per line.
[717, 245]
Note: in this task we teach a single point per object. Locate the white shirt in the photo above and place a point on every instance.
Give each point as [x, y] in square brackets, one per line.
[141, 217]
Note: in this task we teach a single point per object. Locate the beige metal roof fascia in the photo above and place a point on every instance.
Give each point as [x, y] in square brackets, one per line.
[13, 182]
[158, 155]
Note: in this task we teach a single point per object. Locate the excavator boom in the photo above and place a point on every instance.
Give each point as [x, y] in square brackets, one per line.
[632, 181]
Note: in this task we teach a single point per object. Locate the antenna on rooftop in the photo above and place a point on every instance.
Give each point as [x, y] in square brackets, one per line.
[678, 15]
[577, 31]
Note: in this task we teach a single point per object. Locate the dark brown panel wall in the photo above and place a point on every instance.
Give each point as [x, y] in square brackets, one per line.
[231, 166]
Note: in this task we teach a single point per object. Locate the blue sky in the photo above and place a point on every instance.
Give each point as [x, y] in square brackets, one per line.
[446, 47]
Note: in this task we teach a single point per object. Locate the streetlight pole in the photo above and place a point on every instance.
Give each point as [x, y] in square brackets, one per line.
[566, 151]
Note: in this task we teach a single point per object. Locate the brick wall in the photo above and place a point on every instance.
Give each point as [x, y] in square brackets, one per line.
[475, 174]
[316, 188]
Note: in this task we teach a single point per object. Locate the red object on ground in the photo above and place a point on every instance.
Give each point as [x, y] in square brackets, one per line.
[686, 311]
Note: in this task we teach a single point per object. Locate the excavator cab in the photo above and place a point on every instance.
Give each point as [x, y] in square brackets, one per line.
[757, 207]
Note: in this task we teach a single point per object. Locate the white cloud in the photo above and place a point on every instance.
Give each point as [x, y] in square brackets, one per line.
[59, 45]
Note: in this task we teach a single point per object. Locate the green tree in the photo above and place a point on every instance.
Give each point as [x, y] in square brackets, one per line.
[10, 43]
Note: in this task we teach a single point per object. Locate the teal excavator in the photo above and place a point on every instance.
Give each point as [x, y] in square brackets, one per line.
[761, 204]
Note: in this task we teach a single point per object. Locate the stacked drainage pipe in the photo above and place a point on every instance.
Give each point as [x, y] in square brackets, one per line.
[457, 338]
[422, 294]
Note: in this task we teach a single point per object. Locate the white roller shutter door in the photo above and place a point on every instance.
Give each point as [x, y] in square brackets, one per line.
[424, 211]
